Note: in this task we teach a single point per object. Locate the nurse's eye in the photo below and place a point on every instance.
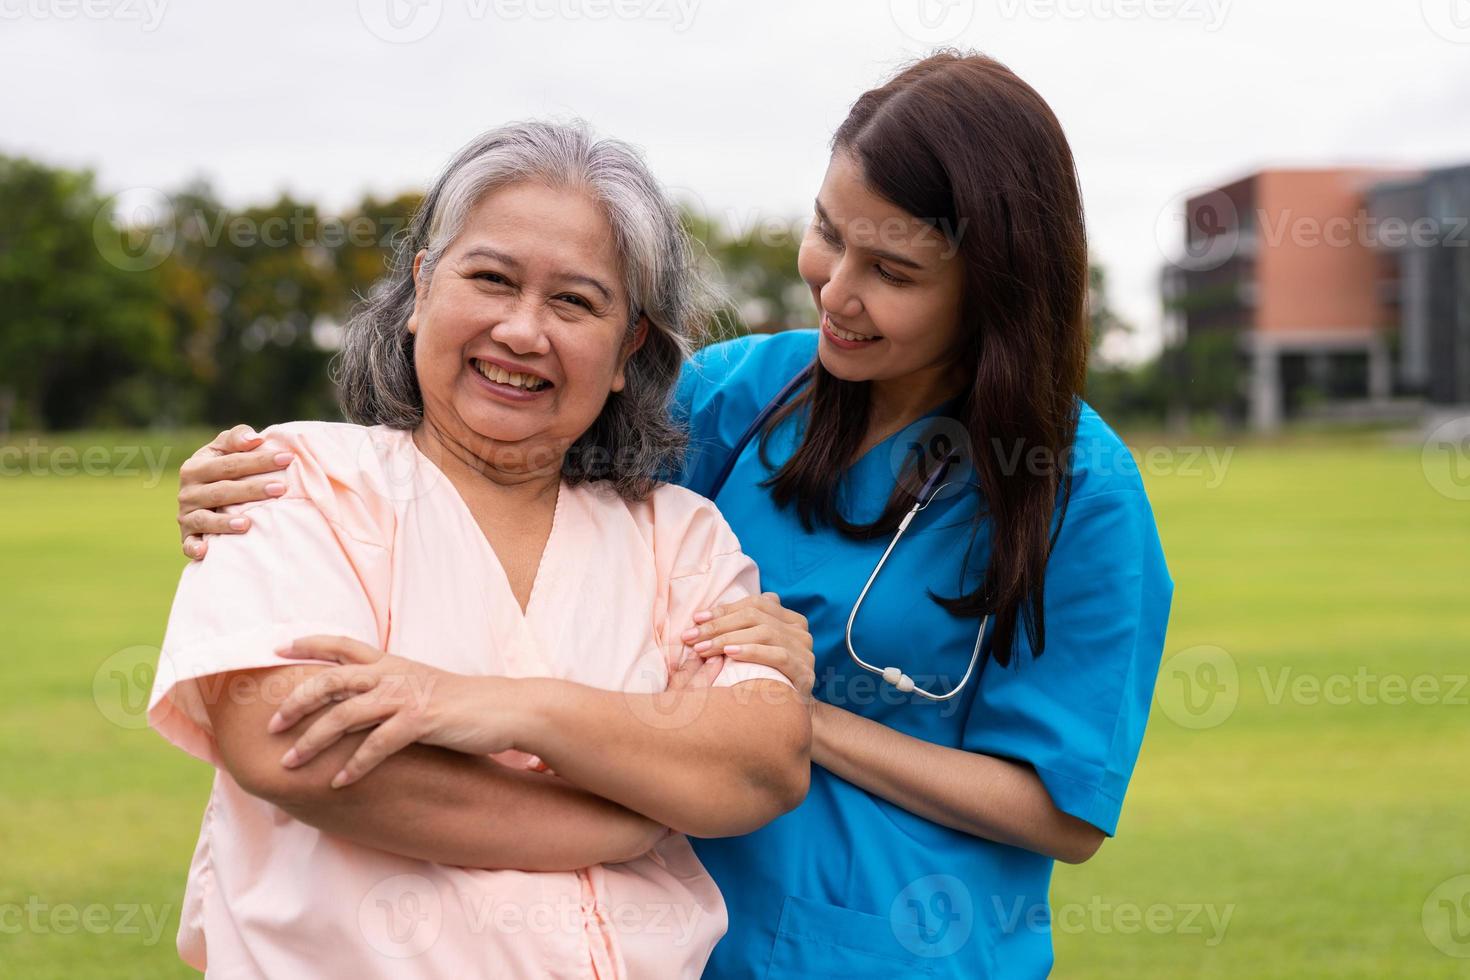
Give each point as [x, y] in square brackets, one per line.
[828, 235]
[887, 276]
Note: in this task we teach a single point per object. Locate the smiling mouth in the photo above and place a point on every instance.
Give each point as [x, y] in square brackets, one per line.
[844, 334]
[493, 372]
[848, 334]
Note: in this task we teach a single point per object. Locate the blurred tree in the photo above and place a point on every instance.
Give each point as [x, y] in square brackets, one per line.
[755, 269]
[1204, 375]
[365, 254]
[1123, 393]
[76, 319]
[1108, 328]
[245, 290]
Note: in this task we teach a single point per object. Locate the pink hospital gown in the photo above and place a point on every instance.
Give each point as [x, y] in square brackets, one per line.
[372, 541]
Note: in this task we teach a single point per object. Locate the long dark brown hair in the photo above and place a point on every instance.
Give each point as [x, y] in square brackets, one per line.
[960, 142]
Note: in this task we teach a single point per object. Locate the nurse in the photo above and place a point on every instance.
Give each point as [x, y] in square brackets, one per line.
[947, 258]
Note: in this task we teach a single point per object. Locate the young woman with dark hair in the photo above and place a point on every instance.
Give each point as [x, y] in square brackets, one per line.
[967, 542]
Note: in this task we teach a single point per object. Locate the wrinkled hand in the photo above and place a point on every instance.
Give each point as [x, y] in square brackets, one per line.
[401, 700]
[759, 630]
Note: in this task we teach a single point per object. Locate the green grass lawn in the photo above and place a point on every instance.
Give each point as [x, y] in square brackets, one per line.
[1320, 824]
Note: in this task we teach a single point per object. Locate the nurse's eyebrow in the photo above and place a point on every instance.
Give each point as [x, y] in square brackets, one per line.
[881, 253]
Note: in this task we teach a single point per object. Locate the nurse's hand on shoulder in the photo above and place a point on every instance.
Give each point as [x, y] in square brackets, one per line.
[695, 673]
[759, 630]
[232, 469]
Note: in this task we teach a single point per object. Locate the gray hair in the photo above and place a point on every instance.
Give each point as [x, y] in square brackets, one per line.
[634, 442]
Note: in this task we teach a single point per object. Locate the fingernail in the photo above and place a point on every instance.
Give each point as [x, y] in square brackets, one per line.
[702, 646]
[703, 617]
[729, 650]
[275, 489]
[251, 433]
[238, 523]
[689, 634]
[274, 725]
[283, 459]
[289, 759]
[196, 550]
[339, 780]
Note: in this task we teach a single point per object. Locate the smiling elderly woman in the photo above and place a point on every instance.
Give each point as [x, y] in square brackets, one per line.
[480, 772]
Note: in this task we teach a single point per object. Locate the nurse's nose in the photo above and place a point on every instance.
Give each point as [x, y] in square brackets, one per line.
[838, 298]
[520, 330]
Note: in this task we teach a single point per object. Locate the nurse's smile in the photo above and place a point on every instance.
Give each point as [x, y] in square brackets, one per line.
[845, 339]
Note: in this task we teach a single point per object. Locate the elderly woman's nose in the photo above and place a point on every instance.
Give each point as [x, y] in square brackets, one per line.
[520, 330]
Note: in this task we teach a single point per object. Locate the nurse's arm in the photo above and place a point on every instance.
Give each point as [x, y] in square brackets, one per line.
[978, 794]
[712, 762]
[423, 802]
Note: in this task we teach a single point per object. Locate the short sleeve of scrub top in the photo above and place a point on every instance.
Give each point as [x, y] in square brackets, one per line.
[1076, 714]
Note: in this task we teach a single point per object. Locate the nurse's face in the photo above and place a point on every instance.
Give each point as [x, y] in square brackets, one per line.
[888, 285]
[520, 333]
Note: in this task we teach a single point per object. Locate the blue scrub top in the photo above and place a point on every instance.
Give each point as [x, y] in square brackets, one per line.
[849, 885]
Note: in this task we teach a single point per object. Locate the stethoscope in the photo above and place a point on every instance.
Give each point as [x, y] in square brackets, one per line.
[930, 490]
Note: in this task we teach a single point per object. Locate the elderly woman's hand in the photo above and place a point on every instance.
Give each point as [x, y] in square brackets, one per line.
[758, 629]
[401, 700]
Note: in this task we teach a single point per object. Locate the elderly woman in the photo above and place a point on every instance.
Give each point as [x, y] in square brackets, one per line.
[479, 771]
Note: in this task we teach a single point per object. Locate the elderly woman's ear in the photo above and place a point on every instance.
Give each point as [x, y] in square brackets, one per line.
[419, 287]
[635, 341]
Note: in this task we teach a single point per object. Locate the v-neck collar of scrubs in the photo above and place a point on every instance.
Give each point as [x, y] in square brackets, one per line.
[877, 464]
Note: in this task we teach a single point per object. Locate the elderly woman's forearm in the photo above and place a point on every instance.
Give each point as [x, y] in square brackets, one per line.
[711, 762]
[441, 806]
[429, 803]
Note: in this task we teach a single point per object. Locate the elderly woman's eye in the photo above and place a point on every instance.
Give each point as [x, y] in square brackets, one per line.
[491, 277]
[575, 300]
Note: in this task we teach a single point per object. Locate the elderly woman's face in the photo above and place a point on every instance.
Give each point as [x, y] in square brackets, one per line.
[519, 335]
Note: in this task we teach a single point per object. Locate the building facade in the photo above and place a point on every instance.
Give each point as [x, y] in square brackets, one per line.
[1285, 264]
[1423, 246]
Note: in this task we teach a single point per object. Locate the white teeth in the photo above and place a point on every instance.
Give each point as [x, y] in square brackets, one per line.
[529, 382]
[848, 334]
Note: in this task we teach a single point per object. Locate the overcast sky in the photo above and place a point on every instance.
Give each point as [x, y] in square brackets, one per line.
[733, 100]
